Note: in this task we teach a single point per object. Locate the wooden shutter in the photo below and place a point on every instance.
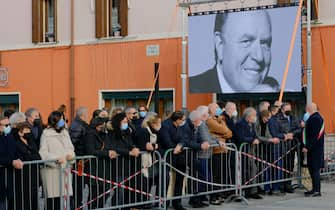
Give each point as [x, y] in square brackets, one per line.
[100, 18]
[283, 1]
[123, 17]
[37, 21]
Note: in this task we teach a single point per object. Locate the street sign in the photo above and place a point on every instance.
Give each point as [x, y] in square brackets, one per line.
[3, 77]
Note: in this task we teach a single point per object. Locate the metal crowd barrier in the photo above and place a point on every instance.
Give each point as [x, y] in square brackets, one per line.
[117, 183]
[268, 167]
[90, 182]
[329, 156]
[25, 188]
[200, 173]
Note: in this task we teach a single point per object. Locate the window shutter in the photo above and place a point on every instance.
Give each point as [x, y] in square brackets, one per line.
[283, 2]
[100, 18]
[37, 21]
[123, 17]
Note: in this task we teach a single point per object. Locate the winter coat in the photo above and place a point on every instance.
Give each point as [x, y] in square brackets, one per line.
[55, 145]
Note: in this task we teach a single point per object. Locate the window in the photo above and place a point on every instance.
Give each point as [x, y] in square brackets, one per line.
[9, 101]
[123, 99]
[44, 21]
[111, 18]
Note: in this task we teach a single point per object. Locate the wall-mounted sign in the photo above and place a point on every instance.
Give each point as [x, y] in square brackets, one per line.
[3, 77]
[153, 50]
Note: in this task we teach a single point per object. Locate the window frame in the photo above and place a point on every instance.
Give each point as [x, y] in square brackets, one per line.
[40, 23]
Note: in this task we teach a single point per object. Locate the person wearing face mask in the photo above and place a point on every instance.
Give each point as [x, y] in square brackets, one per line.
[142, 112]
[148, 140]
[246, 133]
[36, 124]
[97, 143]
[169, 138]
[8, 161]
[270, 152]
[55, 144]
[27, 180]
[219, 129]
[128, 161]
[290, 125]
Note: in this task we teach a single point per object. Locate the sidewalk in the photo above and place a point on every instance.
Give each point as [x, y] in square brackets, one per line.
[295, 201]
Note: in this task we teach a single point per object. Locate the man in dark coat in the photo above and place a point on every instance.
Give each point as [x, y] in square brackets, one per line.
[314, 146]
[245, 133]
[169, 139]
[289, 125]
[78, 130]
[8, 161]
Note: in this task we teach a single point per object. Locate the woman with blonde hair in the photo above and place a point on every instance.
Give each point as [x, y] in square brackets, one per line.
[147, 140]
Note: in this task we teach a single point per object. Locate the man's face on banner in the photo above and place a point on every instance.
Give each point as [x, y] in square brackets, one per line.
[244, 47]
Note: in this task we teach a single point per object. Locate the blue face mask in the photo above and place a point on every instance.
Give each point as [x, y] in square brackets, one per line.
[61, 123]
[143, 114]
[218, 111]
[306, 116]
[124, 126]
[7, 130]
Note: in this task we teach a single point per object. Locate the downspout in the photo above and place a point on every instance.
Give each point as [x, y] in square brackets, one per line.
[72, 69]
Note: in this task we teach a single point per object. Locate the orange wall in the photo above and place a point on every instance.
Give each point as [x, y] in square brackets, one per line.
[323, 68]
[42, 75]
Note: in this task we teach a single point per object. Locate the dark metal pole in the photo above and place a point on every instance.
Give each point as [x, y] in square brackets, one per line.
[157, 88]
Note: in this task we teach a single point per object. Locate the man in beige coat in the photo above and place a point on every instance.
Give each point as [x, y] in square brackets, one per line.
[219, 129]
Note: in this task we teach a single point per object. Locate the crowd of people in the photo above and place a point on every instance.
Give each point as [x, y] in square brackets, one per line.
[123, 140]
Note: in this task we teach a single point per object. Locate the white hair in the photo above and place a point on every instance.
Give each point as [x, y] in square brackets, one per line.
[248, 111]
[16, 118]
[202, 110]
[81, 111]
[195, 115]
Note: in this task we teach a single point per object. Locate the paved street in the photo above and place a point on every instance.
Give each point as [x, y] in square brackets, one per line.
[295, 201]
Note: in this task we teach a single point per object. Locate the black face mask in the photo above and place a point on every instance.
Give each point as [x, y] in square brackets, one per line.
[287, 113]
[28, 136]
[105, 119]
[37, 122]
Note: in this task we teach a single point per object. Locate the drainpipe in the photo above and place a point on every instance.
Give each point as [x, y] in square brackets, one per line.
[72, 74]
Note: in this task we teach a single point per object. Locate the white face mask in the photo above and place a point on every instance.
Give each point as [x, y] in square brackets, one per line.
[183, 123]
[234, 114]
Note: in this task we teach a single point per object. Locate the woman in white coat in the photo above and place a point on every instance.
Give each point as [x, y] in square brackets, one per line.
[56, 145]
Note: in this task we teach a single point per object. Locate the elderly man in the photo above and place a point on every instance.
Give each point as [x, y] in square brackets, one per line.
[245, 133]
[190, 137]
[270, 152]
[8, 161]
[314, 147]
[34, 120]
[219, 129]
[243, 55]
[204, 169]
[78, 130]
